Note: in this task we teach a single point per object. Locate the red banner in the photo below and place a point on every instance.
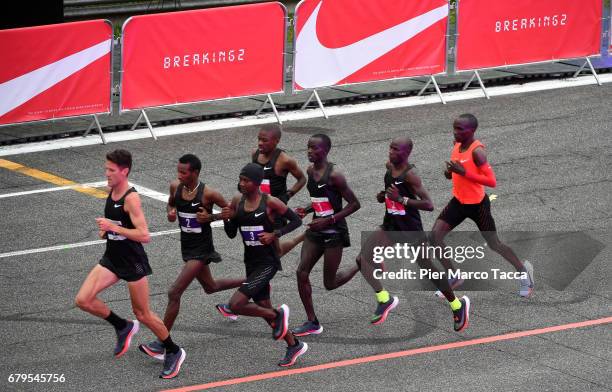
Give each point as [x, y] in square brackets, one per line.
[353, 41]
[495, 33]
[55, 71]
[201, 55]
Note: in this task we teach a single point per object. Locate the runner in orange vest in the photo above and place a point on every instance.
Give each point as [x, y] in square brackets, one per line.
[470, 173]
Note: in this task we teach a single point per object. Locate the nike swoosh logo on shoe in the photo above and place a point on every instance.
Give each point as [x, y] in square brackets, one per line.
[317, 65]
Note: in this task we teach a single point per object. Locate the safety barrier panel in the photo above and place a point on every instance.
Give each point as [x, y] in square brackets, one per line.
[499, 33]
[56, 71]
[202, 55]
[355, 41]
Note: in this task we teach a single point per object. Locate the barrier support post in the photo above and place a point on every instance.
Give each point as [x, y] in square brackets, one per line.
[431, 80]
[315, 94]
[269, 99]
[95, 122]
[592, 69]
[142, 115]
[482, 86]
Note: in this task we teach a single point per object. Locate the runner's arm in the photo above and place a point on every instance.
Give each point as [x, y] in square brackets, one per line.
[486, 176]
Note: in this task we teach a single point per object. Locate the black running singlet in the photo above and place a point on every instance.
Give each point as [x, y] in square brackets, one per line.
[326, 200]
[250, 224]
[272, 183]
[119, 248]
[397, 216]
[194, 235]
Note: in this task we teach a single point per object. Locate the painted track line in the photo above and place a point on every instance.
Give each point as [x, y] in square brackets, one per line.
[51, 178]
[398, 354]
[268, 118]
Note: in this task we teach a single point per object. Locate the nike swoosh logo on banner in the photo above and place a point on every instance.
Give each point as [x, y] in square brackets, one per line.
[20, 90]
[257, 215]
[317, 65]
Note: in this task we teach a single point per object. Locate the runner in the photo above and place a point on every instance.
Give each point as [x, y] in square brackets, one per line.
[276, 164]
[125, 229]
[470, 173]
[192, 201]
[253, 214]
[328, 233]
[404, 196]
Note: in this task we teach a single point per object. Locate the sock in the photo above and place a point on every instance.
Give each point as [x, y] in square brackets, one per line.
[296, 342]
[455, 305]
[170, 346]
[382, 296]
[116, 321]
[316, 321]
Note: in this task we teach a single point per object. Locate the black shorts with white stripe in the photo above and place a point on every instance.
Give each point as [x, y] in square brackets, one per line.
[257, 284]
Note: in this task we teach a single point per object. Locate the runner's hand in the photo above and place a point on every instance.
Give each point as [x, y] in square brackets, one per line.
[300, 211]
[393, 193]
[172, 214]
[266, 238]
[319, 224]
[455, 167]
[380, 196]
[202, 216]
[227, 213]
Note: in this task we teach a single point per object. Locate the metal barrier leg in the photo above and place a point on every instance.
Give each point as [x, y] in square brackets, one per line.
[433, 80]
[137, 120]
[262, 106]
[580, 69]
[424, 88]
[593, 71]
[482, 86]
[269, 99]
[465, 86]
[316, 94]
[144, 114]
[274, 110]
[99, 128]
[308, 100]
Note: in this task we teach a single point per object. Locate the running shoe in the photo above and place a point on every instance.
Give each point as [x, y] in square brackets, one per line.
[526, 284]
[293, 352]
[308, 328]
[172, 364]
[225, 311]
[155, 349]
[461, 316]
[281, 322]
[124, 337]
[383, 309]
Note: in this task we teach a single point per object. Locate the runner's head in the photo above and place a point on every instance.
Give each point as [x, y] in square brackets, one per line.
[318, 147]
[268, 138]
[399, 150]
[464, 127]
[118, 167]
[251, 176]
[188, 169]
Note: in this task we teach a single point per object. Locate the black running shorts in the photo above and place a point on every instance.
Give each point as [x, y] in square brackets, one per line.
[130, 272]
[454, 213]
[257, 284]
[329, 240]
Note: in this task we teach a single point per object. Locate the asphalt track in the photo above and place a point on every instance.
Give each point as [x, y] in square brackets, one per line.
[551, 151]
